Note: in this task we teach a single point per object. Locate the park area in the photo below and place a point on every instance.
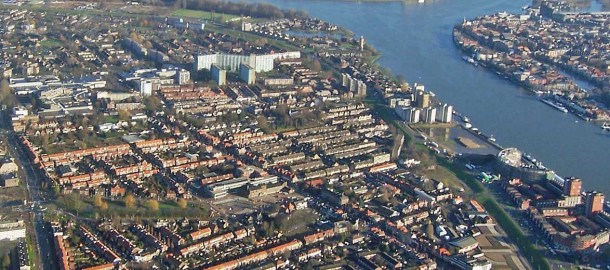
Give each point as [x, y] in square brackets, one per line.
[205, 15]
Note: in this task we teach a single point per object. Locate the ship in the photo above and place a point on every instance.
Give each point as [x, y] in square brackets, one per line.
[606, 126]
[469, 60]
[554, 105]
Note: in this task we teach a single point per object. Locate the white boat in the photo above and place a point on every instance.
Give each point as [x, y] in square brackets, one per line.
[554, 105]
[468, 59]
[492, 138]
[606, 126]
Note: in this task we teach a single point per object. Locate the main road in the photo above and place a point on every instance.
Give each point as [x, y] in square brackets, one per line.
[36, 196]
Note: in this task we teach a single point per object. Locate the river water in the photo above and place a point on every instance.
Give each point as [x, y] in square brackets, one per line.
[415, 41]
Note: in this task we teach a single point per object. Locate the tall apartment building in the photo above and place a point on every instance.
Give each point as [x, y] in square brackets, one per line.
[354, 85]
[146, 87]
[572, 187]
[183, 76]
[429, 115]
[409, 115]
[219, 75]
[444, 113]
[594, 202]
[422, 100]
[247, 74]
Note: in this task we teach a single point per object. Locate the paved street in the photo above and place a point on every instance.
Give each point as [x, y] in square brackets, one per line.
[43, 243]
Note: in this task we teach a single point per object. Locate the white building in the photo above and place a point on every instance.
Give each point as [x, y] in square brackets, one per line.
[260, 63]
[361, 89]
[409, 115]
[345, 78]
[12, 234]
[8, 166]
[354, 85]
[429, 115]
[146, 87]
[445, 113]
[183, 77]
[19, 112]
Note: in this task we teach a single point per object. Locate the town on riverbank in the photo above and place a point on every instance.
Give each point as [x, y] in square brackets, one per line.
[192, 139]
[546, 49]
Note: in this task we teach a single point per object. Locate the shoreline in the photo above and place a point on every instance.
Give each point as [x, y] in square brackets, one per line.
[571, 107]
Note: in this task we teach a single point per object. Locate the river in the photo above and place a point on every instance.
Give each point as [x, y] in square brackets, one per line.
[415, 41]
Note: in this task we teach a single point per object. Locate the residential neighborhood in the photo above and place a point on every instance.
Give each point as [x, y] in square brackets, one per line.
[152, 138]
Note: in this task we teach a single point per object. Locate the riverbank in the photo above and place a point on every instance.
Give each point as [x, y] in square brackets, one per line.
[540, 74]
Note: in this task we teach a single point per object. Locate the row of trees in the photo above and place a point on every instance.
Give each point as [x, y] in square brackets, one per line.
[74, 202]
[257, 10]
[7, 97]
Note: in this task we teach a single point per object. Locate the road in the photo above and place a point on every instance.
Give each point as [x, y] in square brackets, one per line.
[36, 196]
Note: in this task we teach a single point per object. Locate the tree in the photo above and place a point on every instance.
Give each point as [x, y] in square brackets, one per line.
[6, 261]
[260, 42]
[183, 203]
[74, 202]
[133, 35]
[7, 97]
[384, 248]
[44, 138]
[97, 201]
[130, 201]
[147, 44]
[429, 230]
[153, 205]
[263, 124]
[316, 66]
[124, 115]
[104, 206]
[152, 103]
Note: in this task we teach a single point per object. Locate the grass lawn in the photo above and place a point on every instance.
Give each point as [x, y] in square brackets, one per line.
[50, 43]
[167, 209]
[6, 247]
[110, 119]
[450, 180]
[11, 197]
[296, 223]
[189, 13]
[252, 37]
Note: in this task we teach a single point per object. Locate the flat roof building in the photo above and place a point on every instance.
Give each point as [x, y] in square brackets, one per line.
[219, 75]
[247, 73]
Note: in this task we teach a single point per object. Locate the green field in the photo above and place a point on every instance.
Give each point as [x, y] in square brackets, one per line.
[50, 43]
[189, 13]
[450, 180]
